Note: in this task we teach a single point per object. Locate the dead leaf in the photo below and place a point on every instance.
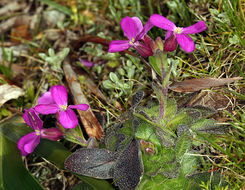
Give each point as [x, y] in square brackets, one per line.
[18, 32]
[89, 121]
[9, 92]
[12, 7]
[92, 87]
[194, 85]
[14, 21]
[210, 99]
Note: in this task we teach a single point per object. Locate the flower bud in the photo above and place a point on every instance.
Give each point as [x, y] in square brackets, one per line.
[170, 43]
[159, 43]
[52, 134]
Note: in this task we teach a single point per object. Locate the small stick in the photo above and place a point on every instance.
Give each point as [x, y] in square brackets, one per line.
[88, 119]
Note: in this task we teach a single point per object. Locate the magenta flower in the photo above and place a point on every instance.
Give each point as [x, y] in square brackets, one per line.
[86, 63]
[55, 101]
[28, 143]
[177, 34]
[136, 34]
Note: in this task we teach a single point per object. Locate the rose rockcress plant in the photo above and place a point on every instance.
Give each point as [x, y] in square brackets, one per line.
[154, 146]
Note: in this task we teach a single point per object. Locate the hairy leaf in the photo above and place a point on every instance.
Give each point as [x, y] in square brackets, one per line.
[129, 167]
[208, 126]
[182, 146]
[97, 163]
[189, 163]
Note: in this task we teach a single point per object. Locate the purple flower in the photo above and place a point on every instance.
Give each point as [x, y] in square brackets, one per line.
[86, 63]
[28, 143]
[177, 34]
[55, 101]
[134, 31]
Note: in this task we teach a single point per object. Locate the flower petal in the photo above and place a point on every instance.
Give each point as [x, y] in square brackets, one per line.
[168, 34]
[130, 27]
[144, 31]
[59, 94]
[47, 108]
[86, 63]
[46, 98]
[52, 134]
[68, 119]
[162, 22]
[32, 119]
[28, 143]
[195, 28]
[118, 45]
[83, 107]
[185, 42]
[138, 24]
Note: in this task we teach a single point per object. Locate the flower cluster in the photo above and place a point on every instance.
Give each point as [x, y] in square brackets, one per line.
[138, 38]
[53, 101]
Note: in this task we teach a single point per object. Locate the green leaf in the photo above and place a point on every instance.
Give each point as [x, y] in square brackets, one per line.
[108, 84]
[214, 179]
[147, 132]
[156, 65]
[170, 170]
[13, 174]
[152, 110]
[170, 109]
[160, 182]
[161, 158]
[113, 77]
[82, 186]
[189, 163]
[182, 146]
[208, 126]
[51, 52]
[59, 7]
[152, 183]
[179, 183]
[180, 118]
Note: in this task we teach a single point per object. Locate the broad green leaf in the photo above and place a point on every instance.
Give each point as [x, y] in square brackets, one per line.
[82, 186]
[170, 170]
[180, 118]
[160, 182]
[182, 146]
[170, 109]
[152, 183]
[152, 163]
[147, 132]
[189, 163]
[152, 109]
[180, 183]
[161, 158]
[13, 174]
[208, 126]
[156, 65]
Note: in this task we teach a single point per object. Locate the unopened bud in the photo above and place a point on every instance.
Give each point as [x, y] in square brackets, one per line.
[159, 43]
[52, 134]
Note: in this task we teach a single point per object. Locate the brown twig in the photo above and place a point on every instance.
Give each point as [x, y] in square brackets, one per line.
[88, 119]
